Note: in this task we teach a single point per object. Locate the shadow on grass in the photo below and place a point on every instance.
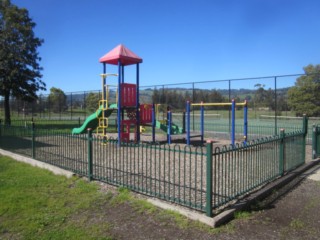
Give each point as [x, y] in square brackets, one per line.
[17, 143]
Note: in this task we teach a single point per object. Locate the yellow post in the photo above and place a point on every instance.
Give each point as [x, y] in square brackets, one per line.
[157, 110]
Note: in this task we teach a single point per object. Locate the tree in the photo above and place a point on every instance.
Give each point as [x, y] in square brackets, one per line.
[19, 60]
[92, 101]
[263, 97]
[57, 100]
[304, 97]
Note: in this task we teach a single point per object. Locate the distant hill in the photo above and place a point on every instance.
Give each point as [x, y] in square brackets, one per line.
[146, 94]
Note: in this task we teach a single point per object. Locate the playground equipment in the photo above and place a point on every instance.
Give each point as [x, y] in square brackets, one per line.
[93, 120]
[132, 114]
[127, 93]
[233, 105]
[106, 110]
[129, 111]
[165, 125]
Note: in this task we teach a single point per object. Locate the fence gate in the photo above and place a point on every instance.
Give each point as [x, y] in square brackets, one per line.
[315, 141]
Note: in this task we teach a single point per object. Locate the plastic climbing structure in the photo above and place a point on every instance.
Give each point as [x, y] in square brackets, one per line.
[105, 110]
[130, 113]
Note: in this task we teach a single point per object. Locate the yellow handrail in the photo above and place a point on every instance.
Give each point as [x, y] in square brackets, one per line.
[217, 104]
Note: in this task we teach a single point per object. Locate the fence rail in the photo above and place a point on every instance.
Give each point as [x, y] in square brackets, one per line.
[238, 170]
[203, 178]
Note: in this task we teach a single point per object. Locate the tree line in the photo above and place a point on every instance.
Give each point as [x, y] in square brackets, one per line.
[21, 78]
[303, 98]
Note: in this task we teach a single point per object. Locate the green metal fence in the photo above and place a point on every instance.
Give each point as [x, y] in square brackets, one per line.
[315, 141]
[203, 178]
[169, 172]
[238, 170]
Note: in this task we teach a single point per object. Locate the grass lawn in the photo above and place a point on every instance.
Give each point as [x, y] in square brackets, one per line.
[36, 204]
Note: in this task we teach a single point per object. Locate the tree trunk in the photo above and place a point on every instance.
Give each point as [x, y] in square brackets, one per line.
[7, 118]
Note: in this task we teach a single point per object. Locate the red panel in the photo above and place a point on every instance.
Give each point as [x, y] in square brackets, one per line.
[145, 113]
[125, 130]
[128, 95]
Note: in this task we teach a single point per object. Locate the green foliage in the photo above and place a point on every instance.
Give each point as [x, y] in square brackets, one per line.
[304, 97]
[242, 215]
[177, 98]
[297, 224]
[92, 101]
[262, 97]
[57, 100]
[19, 60]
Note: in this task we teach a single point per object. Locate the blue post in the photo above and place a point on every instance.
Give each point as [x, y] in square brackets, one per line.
[119, 103]
[233, 117]
[202, 122]
[169, 127]
[122, 81]
[122, 73]
[188, 123]
[153, 124]
[245, 118]
[138, 106]
[104, 94]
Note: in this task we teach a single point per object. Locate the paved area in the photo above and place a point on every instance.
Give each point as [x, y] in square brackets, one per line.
[315, 174]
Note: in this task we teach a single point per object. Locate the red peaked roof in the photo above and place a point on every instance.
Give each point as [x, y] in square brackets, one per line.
[125, 55]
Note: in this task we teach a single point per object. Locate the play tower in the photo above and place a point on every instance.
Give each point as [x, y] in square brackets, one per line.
[128, 106]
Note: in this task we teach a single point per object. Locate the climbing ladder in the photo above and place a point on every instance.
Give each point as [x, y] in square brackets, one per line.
[102, 118]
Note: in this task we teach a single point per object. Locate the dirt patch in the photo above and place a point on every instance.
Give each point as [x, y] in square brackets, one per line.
[289, 213]
[123, 220]
[294, 216]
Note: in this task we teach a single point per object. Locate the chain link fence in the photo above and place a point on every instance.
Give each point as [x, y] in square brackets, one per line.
[268, 107]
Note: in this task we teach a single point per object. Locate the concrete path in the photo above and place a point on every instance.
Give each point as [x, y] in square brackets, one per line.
[315, 175]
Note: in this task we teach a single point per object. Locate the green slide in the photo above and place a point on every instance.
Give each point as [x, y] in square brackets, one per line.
[92, 121]
[174, 128]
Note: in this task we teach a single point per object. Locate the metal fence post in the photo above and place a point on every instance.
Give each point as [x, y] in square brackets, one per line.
[305, 124]
[169, 126]
[314, 141]
[233, 122]
[188, 122]
[281, 152]
[33, 138]
[184, 122]
[305, 132]
[89, 131]
[209, 179]
[153, 123]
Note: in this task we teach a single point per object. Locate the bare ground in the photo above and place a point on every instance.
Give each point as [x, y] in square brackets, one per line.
[290, 213]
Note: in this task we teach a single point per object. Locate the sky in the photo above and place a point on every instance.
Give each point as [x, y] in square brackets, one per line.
[179, 41]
